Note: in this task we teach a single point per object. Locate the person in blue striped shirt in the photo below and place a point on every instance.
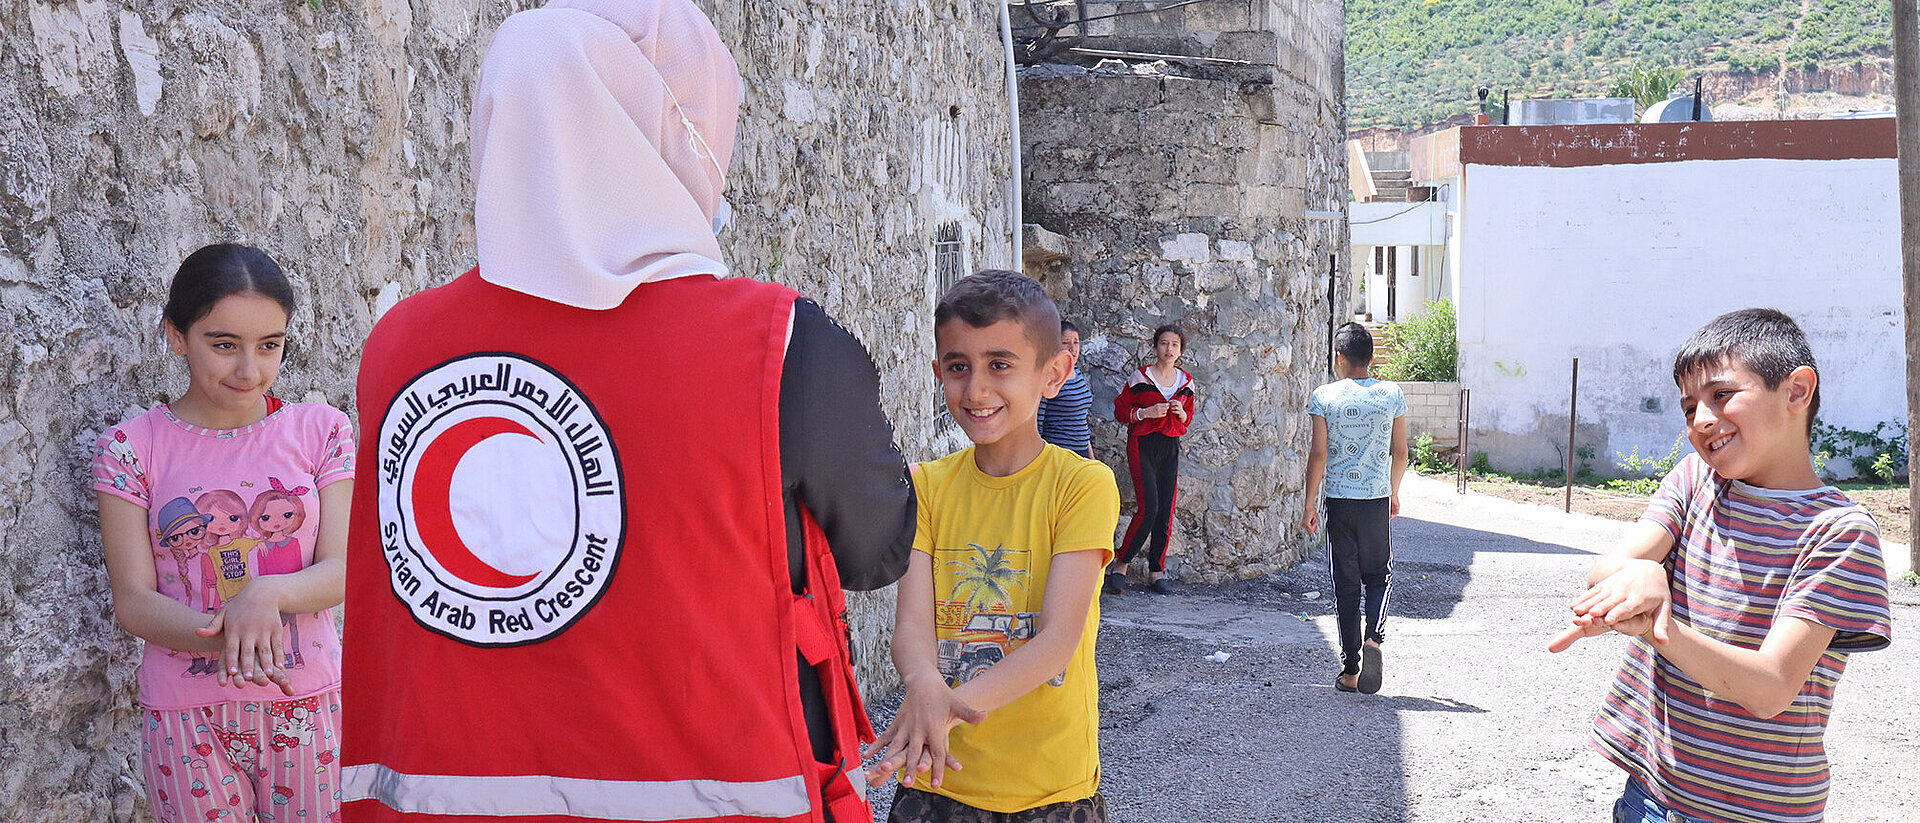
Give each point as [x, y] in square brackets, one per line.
[1063, 417]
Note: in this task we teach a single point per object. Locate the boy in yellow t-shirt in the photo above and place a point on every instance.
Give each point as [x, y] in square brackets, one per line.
[997, 614]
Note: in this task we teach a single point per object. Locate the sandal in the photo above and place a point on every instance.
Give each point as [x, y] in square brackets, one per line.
[1370, 660]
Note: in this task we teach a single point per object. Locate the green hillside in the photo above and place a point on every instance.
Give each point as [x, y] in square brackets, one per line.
[1413, 62]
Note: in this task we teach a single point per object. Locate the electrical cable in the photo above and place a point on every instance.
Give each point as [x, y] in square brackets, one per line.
[1065, 23]
[1388, 217]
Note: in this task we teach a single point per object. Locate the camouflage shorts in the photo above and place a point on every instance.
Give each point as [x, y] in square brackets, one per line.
[915, 806]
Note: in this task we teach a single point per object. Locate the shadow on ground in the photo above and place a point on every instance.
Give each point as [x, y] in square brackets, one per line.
[1263, 735]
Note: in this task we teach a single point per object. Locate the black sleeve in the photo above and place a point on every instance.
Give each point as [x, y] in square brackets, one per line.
[837, 456]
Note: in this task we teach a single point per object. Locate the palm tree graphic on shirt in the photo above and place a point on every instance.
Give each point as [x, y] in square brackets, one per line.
[987, 578]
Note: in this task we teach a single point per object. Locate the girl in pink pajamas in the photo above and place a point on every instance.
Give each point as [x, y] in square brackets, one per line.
[191, 494]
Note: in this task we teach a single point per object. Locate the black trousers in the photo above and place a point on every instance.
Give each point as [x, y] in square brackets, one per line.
[1360, 547]
[1155, 462]
[916, 806]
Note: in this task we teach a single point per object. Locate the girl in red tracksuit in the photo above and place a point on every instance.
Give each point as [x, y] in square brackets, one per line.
[1157, 405]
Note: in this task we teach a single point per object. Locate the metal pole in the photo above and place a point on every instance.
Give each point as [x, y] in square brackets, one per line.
[1696, 97]
[1460, 485]
[1333, 308]
[1573, 406]
[1906, 93]
[1018, 203]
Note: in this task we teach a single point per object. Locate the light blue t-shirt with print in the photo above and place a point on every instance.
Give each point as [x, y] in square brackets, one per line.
[1359, 415]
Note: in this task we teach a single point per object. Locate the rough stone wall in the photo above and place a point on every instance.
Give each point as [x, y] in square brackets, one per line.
[334, 135]
[1182, 190]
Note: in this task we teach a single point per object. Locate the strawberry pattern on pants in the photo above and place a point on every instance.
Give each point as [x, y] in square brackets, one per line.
[274, 760]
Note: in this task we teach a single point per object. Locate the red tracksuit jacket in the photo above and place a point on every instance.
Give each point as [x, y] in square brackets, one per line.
[1140, 392]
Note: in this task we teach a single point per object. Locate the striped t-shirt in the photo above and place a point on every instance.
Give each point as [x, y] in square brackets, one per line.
[1063, 417]
[1743, 559]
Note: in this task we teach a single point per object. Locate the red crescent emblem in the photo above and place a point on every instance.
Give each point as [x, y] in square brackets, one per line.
[433, 513]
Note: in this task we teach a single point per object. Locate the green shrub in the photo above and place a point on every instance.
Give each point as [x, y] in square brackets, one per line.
[1648, 84]
[1481, 464]
[1428, 460]
[1633, 485]
[1423, 346]
[1883, 467]
[1879, 454]
[1651, 469]
[1650, 466]
[1744, 61]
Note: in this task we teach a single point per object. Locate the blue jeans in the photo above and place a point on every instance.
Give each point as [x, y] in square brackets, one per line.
[1636, 806]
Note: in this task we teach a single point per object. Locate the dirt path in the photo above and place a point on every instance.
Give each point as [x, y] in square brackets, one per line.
[1477, 722]
[1889, 507]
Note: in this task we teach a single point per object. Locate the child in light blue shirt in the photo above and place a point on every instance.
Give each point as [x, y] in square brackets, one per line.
[1359, 455]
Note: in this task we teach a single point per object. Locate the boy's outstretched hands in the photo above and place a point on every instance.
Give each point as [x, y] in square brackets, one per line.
[916, 742]
[1633, 601]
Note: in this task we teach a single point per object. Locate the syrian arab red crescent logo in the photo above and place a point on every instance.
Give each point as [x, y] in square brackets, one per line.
[432, 510]
[501, 506]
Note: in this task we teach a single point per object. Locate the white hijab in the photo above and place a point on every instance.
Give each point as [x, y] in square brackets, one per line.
[602, 130]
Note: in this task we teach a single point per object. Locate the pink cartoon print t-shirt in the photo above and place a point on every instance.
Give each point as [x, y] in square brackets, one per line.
[225, 506]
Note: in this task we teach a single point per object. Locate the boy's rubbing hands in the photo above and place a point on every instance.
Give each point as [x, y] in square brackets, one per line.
[918, 734]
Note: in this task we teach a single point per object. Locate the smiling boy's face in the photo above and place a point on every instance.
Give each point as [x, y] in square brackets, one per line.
[1745, 430]
[993, 378]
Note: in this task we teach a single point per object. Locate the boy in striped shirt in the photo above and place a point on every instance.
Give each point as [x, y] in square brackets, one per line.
[1063, 417]
[1745, 585]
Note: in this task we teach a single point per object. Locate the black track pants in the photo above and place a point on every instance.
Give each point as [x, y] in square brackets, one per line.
[1360, 546]
[1154, 460]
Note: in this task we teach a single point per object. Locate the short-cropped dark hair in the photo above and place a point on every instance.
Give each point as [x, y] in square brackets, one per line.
[1068, 326]
[990, 296]
[1354, 343]
[1765, 341]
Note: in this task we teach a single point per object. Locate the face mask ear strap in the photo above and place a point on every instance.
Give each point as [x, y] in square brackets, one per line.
[723, 213]
[695, 142]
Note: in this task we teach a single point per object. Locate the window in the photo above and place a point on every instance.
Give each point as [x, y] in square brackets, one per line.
[950, 263]
[946, 154]
[949, 257]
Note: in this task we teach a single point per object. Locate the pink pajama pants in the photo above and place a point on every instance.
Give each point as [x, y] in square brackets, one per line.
[275, 760]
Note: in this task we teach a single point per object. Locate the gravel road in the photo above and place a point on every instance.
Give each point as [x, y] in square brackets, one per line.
[1476, 722]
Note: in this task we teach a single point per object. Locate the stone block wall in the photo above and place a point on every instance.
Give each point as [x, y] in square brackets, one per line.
[1433, 408]
[1182, 190]
[334, 135]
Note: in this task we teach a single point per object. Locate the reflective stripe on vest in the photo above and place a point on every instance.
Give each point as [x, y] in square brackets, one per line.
[524, 795]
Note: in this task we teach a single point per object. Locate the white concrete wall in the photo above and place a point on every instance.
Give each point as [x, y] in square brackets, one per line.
[1618, 265]
[1397, 224]
[1414, 291]
[1413, 229]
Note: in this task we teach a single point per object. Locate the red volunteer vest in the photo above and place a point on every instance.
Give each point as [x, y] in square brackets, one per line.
[567, 590]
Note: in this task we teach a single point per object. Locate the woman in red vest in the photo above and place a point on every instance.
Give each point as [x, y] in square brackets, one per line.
[616, 494]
